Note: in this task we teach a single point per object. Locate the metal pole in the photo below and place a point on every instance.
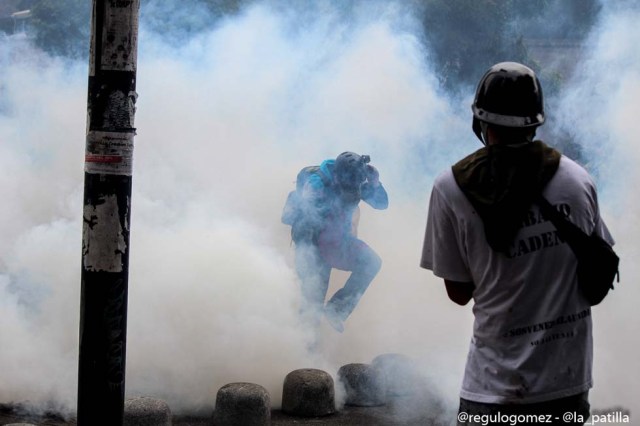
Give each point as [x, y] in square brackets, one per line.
[107, 212]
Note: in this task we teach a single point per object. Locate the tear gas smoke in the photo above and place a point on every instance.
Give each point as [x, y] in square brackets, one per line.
[225, 119]
[598, 113]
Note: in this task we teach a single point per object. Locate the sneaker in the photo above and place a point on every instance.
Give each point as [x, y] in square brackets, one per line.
[334, 321]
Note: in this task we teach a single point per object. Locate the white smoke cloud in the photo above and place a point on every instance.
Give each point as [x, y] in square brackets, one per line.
[599, 112]
[225, 120]
[40, 145]
[224, 125]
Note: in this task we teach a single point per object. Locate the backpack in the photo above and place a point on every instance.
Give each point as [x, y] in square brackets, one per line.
[597, 262]
[293, 211]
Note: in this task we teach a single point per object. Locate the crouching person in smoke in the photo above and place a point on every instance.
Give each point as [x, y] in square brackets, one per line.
[323, 213]
[531, 351]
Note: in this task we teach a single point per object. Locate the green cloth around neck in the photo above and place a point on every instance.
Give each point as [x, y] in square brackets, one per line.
[502, 182]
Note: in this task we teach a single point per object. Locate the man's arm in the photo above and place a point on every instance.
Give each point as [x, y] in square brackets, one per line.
[459, 292]
[373, 193]
[442, 250]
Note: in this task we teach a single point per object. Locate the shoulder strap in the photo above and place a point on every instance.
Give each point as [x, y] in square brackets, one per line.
[573, 235]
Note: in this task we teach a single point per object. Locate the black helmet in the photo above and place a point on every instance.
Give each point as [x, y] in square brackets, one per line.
[509, 94]
[351, 170]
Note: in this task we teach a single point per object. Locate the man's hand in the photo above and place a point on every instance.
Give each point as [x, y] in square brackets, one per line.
[459, 292]
[373, 176]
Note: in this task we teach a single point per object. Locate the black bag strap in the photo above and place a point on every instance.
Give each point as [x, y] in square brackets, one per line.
[564, 226]
[573, 235]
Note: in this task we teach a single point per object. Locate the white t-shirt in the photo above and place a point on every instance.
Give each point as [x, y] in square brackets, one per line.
[532, 337]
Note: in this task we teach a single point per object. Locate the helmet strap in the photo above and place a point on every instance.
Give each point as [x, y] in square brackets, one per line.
[483, 133]
[477, 129]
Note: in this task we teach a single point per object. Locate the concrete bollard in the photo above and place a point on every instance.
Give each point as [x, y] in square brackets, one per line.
[400, 374]
[242, 404]
[308, 393]
[364, 385]
[145, 411]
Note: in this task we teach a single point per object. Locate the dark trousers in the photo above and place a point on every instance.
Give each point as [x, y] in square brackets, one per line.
[572, 410]
[314, 264]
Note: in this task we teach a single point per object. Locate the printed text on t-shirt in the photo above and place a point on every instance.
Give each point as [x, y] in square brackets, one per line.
[541, 241]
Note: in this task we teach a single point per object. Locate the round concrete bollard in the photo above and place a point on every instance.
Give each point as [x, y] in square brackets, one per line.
[364, 384]
[400, 374]
[242, 404]
[308, 393]
[145, 411]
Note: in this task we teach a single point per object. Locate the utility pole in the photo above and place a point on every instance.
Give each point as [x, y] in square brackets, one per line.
[107, 212]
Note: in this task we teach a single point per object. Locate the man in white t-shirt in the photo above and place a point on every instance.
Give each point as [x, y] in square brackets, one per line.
[531, 350]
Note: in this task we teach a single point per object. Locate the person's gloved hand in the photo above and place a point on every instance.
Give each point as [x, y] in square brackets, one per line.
[373, 177]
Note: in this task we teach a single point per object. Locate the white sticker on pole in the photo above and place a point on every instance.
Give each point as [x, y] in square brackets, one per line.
[109, 153]
[120, 35]
[103, 237]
